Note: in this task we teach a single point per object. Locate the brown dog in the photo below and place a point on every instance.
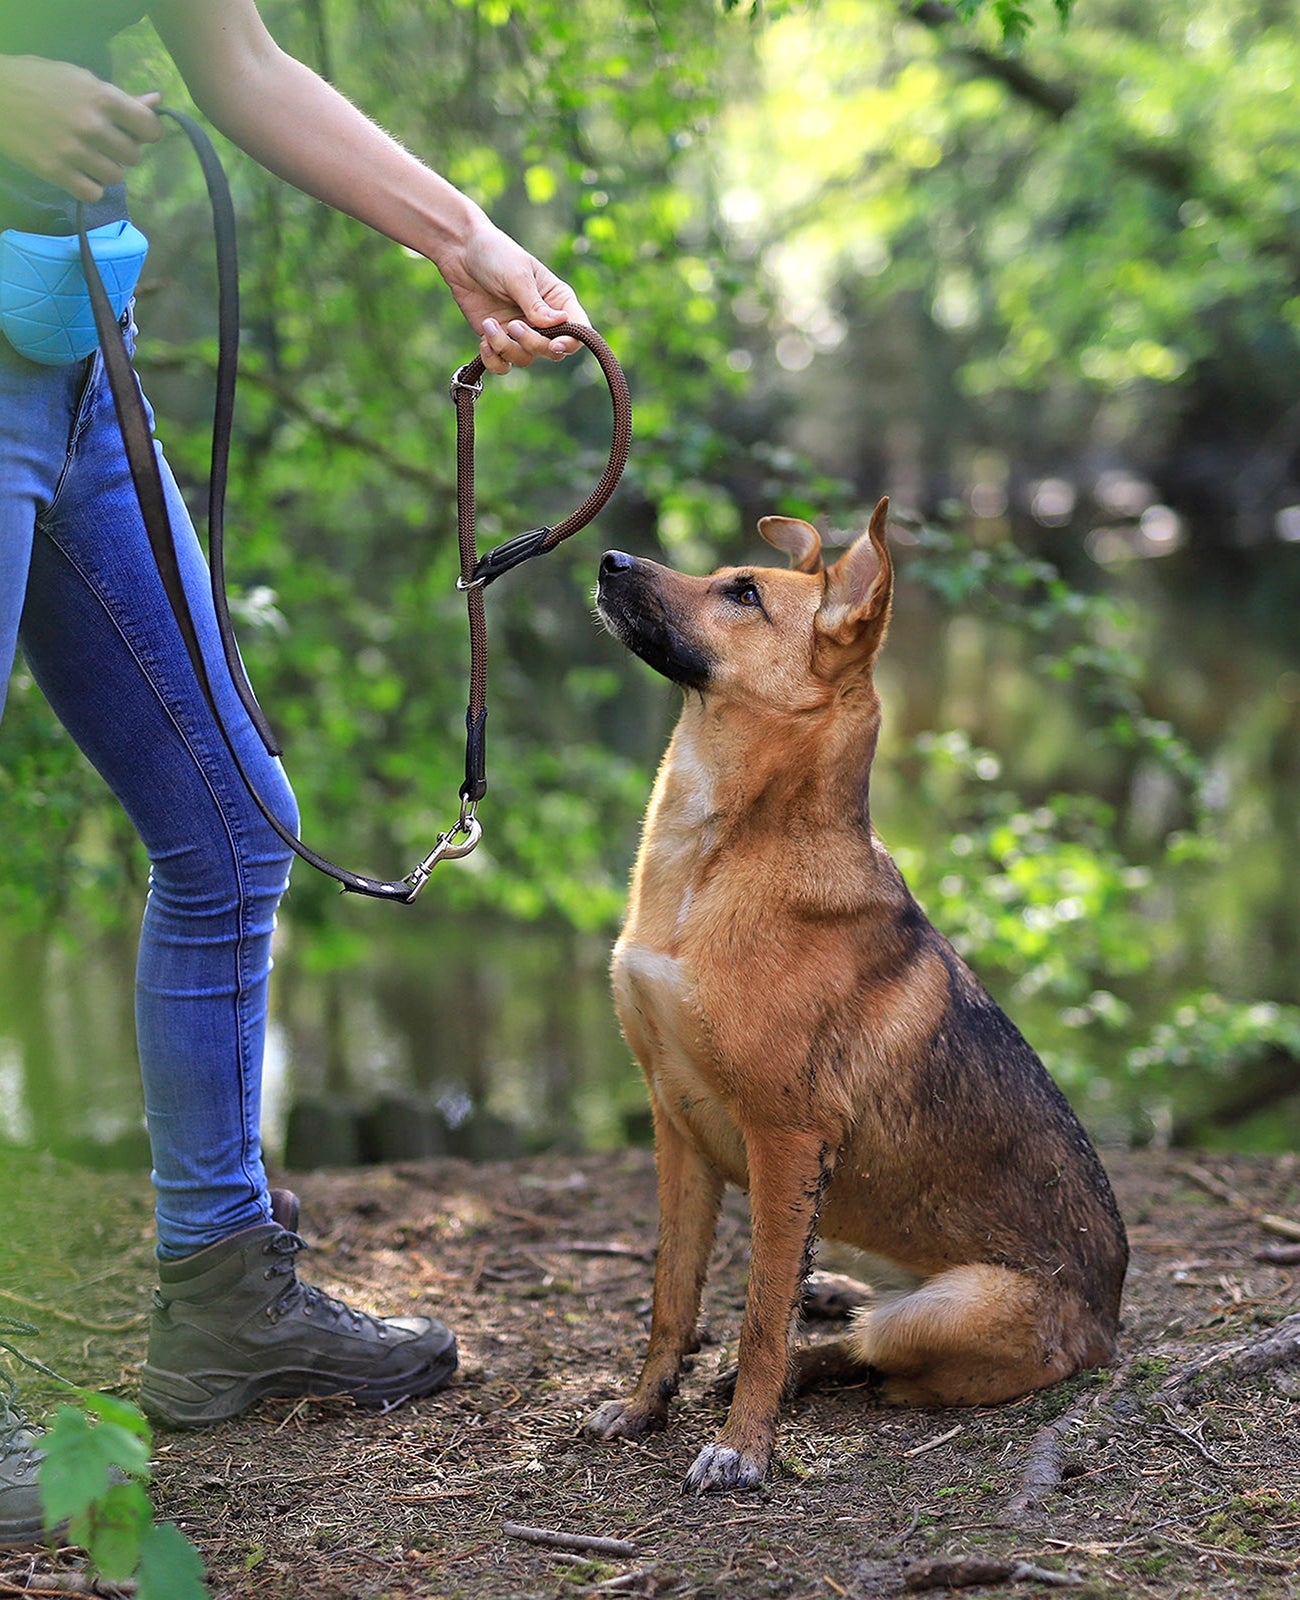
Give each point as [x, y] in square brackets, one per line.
[808, 1035]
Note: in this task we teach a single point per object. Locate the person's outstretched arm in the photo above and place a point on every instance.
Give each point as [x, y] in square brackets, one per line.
[299, 127]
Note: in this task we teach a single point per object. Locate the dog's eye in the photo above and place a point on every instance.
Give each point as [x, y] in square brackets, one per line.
[747, 595]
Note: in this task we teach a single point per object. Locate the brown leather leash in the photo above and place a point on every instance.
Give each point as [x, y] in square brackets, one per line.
[476, 572]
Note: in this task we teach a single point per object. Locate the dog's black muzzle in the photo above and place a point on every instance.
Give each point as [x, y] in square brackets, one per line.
[630, 603]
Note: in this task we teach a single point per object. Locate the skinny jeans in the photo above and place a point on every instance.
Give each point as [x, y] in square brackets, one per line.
[80, 593]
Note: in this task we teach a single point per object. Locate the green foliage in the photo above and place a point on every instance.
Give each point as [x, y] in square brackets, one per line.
[1014, 17]
[1042, 895]
[1212, 1033]
[835, 245]
[95, 1477]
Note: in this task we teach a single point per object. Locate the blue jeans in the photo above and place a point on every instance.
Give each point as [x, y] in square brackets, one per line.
[80, 592]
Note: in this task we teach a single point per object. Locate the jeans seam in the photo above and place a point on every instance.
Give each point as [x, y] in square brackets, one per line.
[80, 422]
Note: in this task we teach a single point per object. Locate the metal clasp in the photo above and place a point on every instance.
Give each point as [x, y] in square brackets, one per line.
[458, 382]
[446, 849]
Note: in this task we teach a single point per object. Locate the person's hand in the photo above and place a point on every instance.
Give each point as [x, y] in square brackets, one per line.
[506, 295]
[62, 123]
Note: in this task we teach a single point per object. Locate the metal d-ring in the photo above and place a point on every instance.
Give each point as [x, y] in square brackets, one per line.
[458, 382]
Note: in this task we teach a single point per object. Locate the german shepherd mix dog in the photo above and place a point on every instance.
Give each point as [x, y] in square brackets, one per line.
[807, 1034]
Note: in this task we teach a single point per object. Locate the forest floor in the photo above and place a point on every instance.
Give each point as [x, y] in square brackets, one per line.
[1161, 1481]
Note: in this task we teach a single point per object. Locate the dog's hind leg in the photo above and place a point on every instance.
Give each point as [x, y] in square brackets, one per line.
[788, 1174]
[970, 1336]
[690, 1192]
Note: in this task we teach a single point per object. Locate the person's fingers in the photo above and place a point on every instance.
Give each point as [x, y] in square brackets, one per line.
[79, 186]
[99, 168]
[117, 147]
[495, 347]
[560, 305]
[134, 116]
[536, 344]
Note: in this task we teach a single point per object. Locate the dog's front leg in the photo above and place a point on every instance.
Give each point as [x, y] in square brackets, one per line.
[788, 1174]
[690, 1192]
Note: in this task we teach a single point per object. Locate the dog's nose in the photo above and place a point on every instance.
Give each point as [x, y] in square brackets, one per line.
[614, 561]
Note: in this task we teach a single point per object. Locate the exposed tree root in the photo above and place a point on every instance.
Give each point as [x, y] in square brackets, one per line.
[1279, 1347]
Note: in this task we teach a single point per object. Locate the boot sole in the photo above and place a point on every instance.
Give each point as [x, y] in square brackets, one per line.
[197, 1400]
[16, 1535]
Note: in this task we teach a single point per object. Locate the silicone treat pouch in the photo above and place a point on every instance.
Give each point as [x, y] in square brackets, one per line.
[44, 303]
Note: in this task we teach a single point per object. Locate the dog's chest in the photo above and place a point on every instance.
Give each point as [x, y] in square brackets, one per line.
[658, 1007]
[676, 847]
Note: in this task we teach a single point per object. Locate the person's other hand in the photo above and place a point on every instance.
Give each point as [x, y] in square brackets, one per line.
[62, 123]
[506, 295]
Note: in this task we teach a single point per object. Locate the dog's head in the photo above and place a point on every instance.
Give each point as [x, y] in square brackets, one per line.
[785, 639]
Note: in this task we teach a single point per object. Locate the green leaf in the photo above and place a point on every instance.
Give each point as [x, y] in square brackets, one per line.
[79, 1460]
[119, 1412]
[170, 1567]
[74, 1472]
[113, 1530]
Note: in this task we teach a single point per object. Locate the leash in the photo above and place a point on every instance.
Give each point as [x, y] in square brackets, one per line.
[475, 575]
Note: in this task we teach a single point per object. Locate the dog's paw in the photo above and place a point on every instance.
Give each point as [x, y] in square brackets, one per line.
[718, 1467]
[723, 1386]
[622, 1419]
[832, 1297]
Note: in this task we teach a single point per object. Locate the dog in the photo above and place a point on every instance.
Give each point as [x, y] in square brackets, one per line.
[808, 1035]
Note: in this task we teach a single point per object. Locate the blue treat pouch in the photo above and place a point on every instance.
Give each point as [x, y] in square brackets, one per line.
[45, 308]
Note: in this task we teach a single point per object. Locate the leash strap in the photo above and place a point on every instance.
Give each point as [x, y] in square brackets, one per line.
[477, 572]
[467, 384]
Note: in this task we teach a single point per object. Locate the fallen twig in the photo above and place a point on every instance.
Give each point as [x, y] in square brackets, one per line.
[569, 1541]
[1191, 1439]
[933, 1444]
[626, 1582]
[64, 1584]
[47, 1310]
[963, 1572]
[1267, 1220]
[583, 1247]
[1282, 1254]
[1042, 1470]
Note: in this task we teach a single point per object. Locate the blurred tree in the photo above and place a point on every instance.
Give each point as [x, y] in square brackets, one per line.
[1004, 270]
[1089, 246]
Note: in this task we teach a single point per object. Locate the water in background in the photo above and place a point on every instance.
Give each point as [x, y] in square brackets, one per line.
[483, 1039]
[484, 1042]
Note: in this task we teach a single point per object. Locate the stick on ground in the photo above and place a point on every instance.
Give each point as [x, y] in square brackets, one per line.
[569, 1541]
[1042, 1470]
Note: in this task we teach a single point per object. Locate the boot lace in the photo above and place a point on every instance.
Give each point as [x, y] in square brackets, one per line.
[16, 1432]
[306, 1297]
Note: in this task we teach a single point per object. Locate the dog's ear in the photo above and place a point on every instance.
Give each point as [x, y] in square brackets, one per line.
[799, 540]
[859, 590]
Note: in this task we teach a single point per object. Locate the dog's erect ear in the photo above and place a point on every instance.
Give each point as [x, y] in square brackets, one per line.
[800, 541]
[859, 590]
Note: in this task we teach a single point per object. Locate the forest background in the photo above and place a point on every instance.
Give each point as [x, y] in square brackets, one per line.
[1043, 293]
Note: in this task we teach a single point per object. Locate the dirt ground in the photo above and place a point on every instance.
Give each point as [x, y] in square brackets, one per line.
[1164, 1481]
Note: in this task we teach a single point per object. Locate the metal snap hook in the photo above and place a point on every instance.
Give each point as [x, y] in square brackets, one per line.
[446, 849]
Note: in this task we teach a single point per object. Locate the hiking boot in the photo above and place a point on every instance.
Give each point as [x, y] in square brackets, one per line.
[234, 1324]
[21, 1518]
